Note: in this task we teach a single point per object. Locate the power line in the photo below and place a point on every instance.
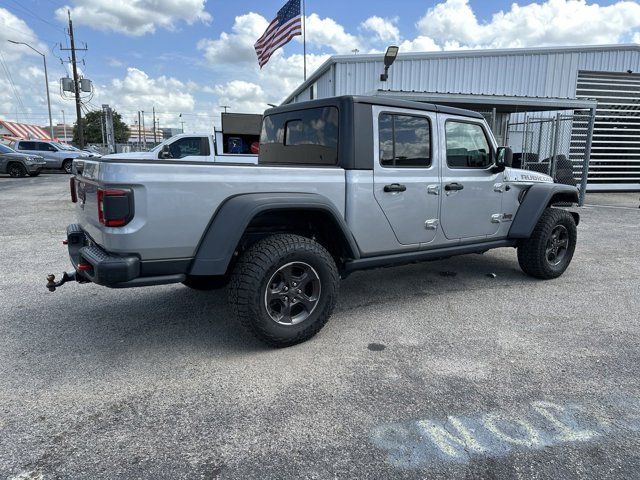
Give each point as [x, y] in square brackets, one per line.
[11, 82]
[36, 16]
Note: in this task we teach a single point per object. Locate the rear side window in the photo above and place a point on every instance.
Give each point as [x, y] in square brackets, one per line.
[27, 146]
[467, 146]
[405, 141]
[303, 137]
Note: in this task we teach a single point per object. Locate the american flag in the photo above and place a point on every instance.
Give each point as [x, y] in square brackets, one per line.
[286, 25]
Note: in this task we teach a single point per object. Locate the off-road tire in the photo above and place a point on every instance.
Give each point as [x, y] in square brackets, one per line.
[205, 283]
[16, 170]
[255, 269]
[67, 166]
[532, 252]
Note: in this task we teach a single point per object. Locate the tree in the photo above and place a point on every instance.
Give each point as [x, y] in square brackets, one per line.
[92, 128]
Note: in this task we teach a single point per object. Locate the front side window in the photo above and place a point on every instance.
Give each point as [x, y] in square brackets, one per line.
[46, 147]
[187, 146]
[405, 140]
[467, 146]
[306, 137]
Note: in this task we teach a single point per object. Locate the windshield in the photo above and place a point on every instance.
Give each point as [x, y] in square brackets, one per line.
[64, 147]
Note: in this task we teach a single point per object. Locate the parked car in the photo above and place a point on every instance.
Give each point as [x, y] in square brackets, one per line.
[342, 184]
[19, 164]
[189, 147]
[56, 155]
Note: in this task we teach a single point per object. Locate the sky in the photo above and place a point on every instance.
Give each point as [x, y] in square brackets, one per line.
[190, 57]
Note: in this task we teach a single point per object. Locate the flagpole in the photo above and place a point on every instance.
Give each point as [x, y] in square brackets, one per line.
[304, 40]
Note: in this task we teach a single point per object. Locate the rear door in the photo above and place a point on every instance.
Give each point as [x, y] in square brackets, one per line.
[406, 177]
[472, 192]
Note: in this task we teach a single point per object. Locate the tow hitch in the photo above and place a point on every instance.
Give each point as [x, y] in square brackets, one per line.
[66, 277]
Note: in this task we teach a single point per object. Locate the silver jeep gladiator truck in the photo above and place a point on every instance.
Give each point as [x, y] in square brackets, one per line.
[342, 184]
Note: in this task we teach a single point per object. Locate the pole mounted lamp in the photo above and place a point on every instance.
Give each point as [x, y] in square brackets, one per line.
[389, 58]
[46, 79]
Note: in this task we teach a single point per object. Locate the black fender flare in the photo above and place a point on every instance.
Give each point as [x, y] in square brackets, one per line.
[220, 240]
[537, 198]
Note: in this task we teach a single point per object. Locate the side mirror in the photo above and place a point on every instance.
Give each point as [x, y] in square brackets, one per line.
[504, 158]
[165, 153]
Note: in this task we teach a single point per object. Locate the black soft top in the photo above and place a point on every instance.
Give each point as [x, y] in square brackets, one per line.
[373, 100]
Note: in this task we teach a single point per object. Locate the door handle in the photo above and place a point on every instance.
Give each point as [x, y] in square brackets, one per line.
[395, 187]
[453, 186]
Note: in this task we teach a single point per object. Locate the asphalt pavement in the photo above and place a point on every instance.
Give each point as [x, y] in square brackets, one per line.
[437, 370]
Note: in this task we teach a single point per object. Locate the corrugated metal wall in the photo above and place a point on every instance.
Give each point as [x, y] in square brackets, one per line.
[530, 73]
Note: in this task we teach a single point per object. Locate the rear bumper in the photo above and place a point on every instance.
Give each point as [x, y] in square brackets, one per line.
[95, 264]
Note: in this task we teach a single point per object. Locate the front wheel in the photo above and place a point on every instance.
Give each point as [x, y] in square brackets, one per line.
[549, 250]
[17, 170]
[283, 289]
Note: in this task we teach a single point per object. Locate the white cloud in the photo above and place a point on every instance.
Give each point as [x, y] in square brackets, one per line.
[326, 32]
[237, 46]
[636, 37]
[135, 17]
[384, 29]
[419, 44]
[555, 22]
[137, 89]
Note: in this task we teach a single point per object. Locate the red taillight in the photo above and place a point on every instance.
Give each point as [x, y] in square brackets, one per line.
[72, 188]
[84, 267]
[122, 206]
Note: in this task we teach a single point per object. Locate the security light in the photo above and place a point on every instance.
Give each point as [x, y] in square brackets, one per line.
[389, 57]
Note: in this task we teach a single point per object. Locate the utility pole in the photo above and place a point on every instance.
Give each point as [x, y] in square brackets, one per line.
[154, 126]
[64, 126]
[144, 133]
[139, 133]
[76, 82]
[182, 122]
[225, 107]
[102, 125]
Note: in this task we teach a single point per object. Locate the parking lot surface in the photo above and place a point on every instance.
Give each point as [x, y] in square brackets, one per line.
[435, 370]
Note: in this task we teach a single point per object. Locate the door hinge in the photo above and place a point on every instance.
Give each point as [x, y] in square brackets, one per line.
[496, 217]
[432, 224]
[433, 189]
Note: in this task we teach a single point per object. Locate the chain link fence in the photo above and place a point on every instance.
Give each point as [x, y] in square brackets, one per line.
[558, 145]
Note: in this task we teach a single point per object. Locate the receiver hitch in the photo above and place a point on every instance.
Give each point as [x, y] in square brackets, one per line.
[66, 277]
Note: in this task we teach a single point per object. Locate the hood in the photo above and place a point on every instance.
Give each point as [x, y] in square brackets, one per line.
[525, 176]
[24, 156]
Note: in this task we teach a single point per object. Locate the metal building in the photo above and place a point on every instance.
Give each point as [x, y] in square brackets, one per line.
[582, 103]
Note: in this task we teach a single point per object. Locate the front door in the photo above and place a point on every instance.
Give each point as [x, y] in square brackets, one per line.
[406, 178]
[49, 153]
[472, 198]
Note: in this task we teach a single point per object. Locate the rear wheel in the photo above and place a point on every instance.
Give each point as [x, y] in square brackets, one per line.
[16, 170]
[66, 166]
[549, 250]
[283, 289]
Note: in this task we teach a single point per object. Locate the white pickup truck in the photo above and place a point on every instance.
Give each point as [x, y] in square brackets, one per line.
[192, 147]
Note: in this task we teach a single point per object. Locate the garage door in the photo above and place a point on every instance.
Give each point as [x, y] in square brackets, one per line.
[615, 152]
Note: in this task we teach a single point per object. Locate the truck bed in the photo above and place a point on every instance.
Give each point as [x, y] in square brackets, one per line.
[185, 196]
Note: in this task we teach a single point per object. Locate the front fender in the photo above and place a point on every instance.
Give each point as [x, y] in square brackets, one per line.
[229, 223]
[538, 197]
